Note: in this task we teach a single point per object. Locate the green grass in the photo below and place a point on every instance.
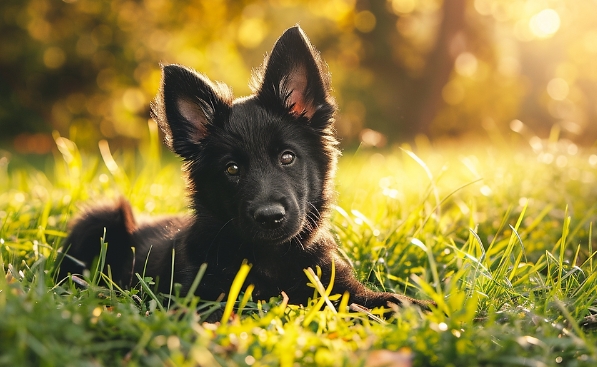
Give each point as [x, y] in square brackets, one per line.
[501, 238]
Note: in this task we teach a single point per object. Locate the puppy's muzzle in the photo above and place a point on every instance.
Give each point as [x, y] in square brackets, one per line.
[270, 216]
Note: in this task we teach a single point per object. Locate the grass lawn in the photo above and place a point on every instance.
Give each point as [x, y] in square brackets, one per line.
[500, 237]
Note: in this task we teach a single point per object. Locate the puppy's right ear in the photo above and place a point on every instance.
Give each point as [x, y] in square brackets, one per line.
[185, 107]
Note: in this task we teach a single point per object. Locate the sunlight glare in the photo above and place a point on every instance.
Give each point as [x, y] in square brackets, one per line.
[545, 23]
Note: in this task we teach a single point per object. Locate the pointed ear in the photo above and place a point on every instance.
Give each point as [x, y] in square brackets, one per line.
[185, 107]
[295, 77]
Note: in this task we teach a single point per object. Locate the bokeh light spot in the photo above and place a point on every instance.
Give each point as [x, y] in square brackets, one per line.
[251, 32]
[54, 57]
[545, 23]
[483, 7]
[509, 66]
[403, 6]
[558, 89]
[86, 45]
[486, 190]
[516, 126]
[133, 100]
[372, 138]
[466, 64]
[590, 42]
[453, 93]
[365, 21]
[106, 79]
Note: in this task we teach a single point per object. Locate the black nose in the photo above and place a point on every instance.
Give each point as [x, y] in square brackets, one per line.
[270, 215]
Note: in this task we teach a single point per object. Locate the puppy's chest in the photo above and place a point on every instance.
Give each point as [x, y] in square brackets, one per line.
[280, 274]
[268, 287]
[272, 270]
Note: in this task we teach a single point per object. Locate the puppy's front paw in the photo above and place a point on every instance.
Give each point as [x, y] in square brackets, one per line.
[402, 300]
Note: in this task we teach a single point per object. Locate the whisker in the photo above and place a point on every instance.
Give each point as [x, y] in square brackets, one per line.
[314, 207]
[299, 242]
[214, 240]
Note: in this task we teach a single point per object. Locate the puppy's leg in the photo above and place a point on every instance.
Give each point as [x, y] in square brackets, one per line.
[363, 296]
[83, 242]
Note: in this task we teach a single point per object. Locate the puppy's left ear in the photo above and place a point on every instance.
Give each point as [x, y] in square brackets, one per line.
[295, 78]
[186, 107]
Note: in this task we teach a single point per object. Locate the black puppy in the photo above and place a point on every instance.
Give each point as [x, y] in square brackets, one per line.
[260, 177]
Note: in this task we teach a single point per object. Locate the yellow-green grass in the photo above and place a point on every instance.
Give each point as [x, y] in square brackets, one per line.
[499, 236]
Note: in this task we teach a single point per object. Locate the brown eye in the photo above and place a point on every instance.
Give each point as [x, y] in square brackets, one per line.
[232, 169]
[287, 158]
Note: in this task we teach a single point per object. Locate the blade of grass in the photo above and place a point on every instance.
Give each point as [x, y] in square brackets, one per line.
[195, 283]
[246, 297]
[101, 261]
[171, 278]
[235, 289]
[148, 290]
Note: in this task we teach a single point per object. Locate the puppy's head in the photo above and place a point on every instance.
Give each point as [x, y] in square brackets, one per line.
[262, 163]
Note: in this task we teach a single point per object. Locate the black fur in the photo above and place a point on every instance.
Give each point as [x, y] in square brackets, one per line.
[260, 178]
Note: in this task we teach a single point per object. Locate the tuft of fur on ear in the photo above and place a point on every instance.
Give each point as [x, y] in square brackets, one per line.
[186, 105]
[296, 77]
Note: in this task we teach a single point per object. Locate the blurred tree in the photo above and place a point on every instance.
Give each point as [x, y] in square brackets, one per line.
[531, 69]
[89, 68]
[410, 66]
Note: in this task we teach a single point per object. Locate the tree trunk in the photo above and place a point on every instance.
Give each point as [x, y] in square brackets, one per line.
[426, 98]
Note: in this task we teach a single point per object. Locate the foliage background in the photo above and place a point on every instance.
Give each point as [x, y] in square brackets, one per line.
[88, 68]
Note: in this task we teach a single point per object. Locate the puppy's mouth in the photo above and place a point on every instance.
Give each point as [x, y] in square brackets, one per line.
[283, 232]
[273, 237]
